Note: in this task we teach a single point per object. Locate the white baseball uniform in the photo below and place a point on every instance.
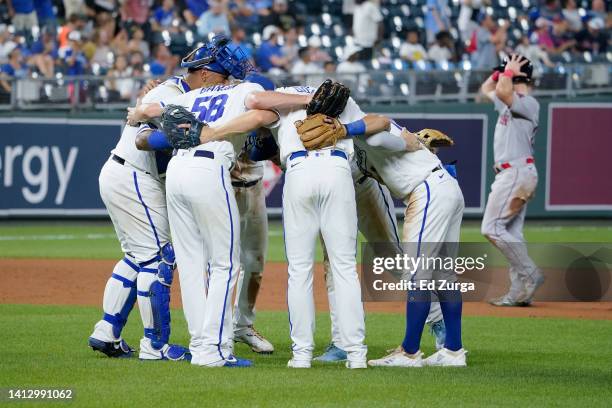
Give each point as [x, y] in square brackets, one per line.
[251, 199]
[319, 198]
[134, 195]
[377, 222]
[516, 177]
[434, 202]
[205, 223]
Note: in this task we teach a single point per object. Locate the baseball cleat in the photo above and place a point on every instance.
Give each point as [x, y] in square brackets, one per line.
[113, 349]
[531, 287]
[332, 354]
[438, 330]
[298, 363]
[172, 352]
[356, 364]
[506, 301]
[447, 358]
[254, 339]
[399, 358]
[233, 362]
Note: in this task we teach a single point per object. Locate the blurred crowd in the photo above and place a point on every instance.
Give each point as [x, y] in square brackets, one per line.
[123, 39]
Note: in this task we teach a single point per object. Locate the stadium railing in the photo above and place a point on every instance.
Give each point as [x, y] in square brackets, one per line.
[375, 86]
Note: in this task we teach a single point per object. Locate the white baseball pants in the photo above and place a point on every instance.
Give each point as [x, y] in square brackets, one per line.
[377, 222]
[432, 221]
[319, 197]
[136, 204]
[253, 250]
[205, 227]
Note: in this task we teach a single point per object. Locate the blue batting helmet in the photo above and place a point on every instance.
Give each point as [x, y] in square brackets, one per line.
[219, 56]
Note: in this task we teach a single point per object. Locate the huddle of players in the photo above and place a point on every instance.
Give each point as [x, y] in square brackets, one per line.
[321, 183]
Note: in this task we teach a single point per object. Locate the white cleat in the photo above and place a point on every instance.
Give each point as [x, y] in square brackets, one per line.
[298, 363]
[356, 364]
[447, 358]
[399, 358]
[254, 340]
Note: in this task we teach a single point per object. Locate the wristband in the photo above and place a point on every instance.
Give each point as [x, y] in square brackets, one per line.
[495, 76]
[356, 128]
[508, 73]
[158, 141]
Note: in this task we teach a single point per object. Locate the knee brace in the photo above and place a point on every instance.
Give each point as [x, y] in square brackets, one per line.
[120, 295]
[159, 294]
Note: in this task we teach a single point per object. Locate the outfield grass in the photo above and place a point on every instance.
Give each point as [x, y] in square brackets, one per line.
[96, 240]
[513, 362]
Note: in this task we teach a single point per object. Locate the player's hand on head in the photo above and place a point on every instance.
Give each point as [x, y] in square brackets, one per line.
[515, 63]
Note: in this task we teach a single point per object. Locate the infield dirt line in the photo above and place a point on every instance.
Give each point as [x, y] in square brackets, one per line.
[81, 282]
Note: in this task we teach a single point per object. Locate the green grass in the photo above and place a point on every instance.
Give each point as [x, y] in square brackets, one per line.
[96, 240]
[512, 362]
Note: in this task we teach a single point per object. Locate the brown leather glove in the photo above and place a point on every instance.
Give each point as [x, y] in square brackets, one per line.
[319, 131]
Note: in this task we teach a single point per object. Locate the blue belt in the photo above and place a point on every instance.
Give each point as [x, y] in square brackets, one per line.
[304, 153]
[204, 153]
[244, 184]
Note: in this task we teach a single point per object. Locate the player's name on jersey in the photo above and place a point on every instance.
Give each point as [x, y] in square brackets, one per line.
[218, 88]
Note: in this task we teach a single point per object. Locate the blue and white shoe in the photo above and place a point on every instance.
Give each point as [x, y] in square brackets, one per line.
[234, 362]
[171, 352]
[332, 354]
[438, 330]
[113, 349]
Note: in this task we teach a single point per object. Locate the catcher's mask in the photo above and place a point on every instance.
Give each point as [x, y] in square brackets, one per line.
[527, 69]
[219, 56]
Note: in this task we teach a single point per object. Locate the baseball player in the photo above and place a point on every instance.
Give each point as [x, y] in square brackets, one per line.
[318, 197]
[202, 208]
[132, 188]
[516, 176]
[251, 200]
[246, 179]
[377, 222]
[434, 209]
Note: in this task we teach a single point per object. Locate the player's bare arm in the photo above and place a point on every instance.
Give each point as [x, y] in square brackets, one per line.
[272, 100]
[375, 124]
[146, 88]
[488, 87]
[247, 122]
[144, 112]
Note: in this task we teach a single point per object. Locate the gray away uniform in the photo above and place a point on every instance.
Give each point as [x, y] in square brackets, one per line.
[516, 177]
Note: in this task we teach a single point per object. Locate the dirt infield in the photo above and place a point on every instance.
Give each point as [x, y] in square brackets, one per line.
[81, 282]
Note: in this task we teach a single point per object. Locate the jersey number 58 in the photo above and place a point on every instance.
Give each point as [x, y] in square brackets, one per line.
[209, 108]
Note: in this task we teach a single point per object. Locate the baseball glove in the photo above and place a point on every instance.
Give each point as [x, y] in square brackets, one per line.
[433, 138]
[329, 99]
[181, 137]
[319, 131]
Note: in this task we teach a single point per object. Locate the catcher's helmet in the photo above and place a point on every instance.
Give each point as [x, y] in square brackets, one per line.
[527, 69]
[219, 56]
